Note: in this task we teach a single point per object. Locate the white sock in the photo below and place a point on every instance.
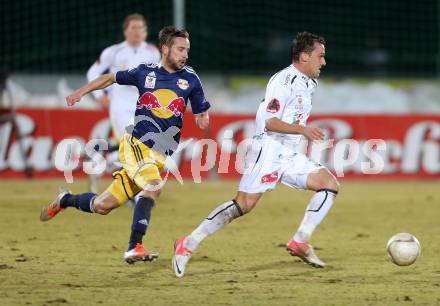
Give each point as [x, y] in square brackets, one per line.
[317, 209]
[217, 219]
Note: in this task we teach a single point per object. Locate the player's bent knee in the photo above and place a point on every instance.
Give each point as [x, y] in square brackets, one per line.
[247, 201]
[103, 211]
[100, 208]
[247, 208]
[247, 205]
[153, 189]
[331, 184]
[151, 194]
[104, 204]
[335, 185]
[324, 179]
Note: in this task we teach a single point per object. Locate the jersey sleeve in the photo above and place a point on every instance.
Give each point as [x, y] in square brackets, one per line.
[128, 77]
[102, 65]
[277, 97]
[199, 104]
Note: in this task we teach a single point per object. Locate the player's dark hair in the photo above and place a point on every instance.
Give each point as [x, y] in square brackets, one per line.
[167, 35]
[131, 17]
[304, 42]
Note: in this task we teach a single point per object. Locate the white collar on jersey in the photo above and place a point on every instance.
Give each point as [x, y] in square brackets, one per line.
[300, 74]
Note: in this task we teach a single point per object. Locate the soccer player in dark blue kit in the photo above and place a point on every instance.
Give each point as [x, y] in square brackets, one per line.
[164, 91]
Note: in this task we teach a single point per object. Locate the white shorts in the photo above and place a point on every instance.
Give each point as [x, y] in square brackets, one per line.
[266, 165]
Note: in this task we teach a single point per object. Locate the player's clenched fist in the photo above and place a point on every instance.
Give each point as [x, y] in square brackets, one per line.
[202, 120]
[73, 98]
[314, 133]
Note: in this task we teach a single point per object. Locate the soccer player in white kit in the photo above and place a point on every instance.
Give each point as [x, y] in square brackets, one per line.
[125, 55]
[274, 156]
[121, 100]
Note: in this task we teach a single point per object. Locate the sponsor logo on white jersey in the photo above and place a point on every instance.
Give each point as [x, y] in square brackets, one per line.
[270, 178]
[299, 105]
[287, 80]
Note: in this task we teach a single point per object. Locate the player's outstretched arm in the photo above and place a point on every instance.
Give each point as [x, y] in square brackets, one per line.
[279, 126]
[101, 82]
[202, 120]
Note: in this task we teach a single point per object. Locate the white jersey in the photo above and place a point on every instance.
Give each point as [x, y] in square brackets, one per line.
[123, 99]
[288, 98]
[274, 157]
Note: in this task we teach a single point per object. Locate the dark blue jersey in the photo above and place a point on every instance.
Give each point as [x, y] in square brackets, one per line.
[163, 97]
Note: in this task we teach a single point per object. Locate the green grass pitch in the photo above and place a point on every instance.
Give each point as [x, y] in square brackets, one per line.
[76, 259]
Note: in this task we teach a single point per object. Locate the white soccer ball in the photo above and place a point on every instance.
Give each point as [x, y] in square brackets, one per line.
[404, 249]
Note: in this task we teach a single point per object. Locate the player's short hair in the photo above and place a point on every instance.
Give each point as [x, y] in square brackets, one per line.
[167, 35]
[304, 42]
[131, 17]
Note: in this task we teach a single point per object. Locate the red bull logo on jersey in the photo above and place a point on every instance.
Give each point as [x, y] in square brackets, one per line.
[163, 103]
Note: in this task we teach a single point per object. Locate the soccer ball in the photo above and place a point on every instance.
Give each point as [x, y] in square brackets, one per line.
[403, 248]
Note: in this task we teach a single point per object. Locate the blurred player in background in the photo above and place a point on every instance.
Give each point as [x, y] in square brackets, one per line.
[274, 156]
[121, 100]
[164, 91]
